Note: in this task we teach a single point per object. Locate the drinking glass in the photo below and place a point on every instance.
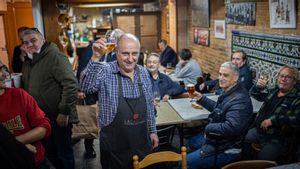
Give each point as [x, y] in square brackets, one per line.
[169, 65]
[110, 42]
[265, 77]
[191, 90]
[156, 97]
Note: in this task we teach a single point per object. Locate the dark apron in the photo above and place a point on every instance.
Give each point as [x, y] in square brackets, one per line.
[127, 135]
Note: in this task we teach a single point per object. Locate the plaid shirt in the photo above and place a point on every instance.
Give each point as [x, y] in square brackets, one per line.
[102, 78]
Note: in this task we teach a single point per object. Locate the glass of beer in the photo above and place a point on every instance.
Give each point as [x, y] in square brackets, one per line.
[191, 90]
[156, 95]
[265, 77]
[110, 42]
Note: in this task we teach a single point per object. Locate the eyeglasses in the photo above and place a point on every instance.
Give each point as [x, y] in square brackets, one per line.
[287, 77]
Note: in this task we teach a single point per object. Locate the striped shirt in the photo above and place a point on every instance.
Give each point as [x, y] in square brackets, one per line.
[102, 78]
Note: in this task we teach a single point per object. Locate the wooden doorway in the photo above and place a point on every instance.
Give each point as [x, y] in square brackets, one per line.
[3, 46]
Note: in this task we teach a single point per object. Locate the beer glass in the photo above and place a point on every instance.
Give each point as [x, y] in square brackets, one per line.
[265, 77]
[110, 43]
[191, 90]
[156, 95]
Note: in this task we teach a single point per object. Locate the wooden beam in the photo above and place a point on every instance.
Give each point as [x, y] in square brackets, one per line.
[109, 1]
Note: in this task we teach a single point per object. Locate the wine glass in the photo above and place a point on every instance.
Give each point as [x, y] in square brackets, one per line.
[265, 77]
[110, 43]
[191, 91]
[156, 95]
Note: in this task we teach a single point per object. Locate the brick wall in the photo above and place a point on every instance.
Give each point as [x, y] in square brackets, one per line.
[210, 58]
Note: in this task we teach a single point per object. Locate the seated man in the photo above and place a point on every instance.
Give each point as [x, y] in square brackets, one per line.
[240, 59]
[230, 117]
[187, 68]
[168, 55]
[278, 116]
[20, 114]
[161, 83]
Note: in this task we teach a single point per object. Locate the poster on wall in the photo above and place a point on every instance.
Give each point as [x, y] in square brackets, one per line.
[200, 13]
[240, 13]
[201, 36]
[282, 13]
[220, 29]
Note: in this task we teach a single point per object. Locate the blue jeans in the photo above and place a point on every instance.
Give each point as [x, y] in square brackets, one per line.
[196, 161]
[58, 145]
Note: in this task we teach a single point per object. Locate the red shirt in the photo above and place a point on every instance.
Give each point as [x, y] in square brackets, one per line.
[19, 113]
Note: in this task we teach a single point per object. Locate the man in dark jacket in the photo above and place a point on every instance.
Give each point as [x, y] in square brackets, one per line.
[48, 77]
[279, 117]
[240, 59]
[161, 83]
[230, 117]
[168, 55]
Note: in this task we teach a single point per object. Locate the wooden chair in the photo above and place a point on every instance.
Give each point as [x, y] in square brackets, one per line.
[250, 164]
[158, 157]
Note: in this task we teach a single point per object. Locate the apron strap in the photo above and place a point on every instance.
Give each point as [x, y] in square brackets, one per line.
[140, 84]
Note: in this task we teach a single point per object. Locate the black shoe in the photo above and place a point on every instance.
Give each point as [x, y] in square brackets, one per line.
[90, 154]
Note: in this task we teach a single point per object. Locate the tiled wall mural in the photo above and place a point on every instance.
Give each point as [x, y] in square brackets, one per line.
[267, 52]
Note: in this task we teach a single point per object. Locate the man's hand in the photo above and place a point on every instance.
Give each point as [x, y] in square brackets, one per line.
[154, 140]
[81, 95]
[261, 83]
[62, 120]
[31, 148]
[166, 97]
[99, 48]
[265, 124]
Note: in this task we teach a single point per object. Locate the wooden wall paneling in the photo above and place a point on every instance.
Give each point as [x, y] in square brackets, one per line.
[18, 14]
[51, 27]
[3, 41]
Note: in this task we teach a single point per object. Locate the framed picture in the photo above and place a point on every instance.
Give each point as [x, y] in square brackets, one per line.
[200, 13]
[220, 29]
[201, 36]
[240, 13]
[282, 13]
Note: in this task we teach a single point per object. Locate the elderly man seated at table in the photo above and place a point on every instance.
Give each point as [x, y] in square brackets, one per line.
[187, 68]
[161, 83]
[240, 59]
[278, 117]
[230, 117]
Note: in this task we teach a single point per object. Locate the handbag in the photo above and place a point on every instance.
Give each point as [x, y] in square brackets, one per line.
[88, 123]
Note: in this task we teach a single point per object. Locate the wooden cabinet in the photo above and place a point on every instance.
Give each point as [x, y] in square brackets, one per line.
[145, 26]
[3, 6]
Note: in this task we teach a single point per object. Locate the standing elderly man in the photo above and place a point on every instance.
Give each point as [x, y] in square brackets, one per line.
[230, 117]
[240, 59]
[161, 83]
[278, 116]
[126, 117]
[168, 55]
[48, 77]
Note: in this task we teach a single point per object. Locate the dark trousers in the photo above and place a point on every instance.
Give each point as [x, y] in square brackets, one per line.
[271, 149]
[58, 147]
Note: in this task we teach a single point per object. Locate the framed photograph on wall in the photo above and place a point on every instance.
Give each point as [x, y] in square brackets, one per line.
[282, 13]
[201, 36]
[220, 29]
[200, 13]
[240, 13]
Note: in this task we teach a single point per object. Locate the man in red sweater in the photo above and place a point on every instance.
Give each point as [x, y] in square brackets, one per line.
[20, 114]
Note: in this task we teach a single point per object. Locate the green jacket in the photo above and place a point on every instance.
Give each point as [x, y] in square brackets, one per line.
[49, 78]
[285, 114]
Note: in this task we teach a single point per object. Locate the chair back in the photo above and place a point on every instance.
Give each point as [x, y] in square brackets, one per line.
[158, 157]
[250, 164]
[165, 136]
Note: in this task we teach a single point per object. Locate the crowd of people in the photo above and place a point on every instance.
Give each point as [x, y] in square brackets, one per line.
[38, 118]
